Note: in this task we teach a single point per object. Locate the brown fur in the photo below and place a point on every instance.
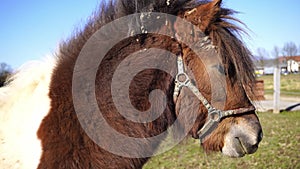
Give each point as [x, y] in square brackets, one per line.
[64, 142]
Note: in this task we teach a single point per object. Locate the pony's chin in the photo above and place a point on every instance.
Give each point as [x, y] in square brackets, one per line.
[234, 154]
[234, 149]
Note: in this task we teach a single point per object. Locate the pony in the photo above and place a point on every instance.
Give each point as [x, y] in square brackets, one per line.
[54, 116]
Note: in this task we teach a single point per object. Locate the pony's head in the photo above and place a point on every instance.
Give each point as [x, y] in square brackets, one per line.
[236, 130]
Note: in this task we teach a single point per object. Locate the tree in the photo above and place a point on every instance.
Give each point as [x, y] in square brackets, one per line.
[5, 71]
[262, 55]
[289, 49]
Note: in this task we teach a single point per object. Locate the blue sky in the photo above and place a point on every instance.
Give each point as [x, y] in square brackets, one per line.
[31, 29]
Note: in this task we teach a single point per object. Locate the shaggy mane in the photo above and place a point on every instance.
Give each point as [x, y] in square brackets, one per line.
[226, 35]
[222, 29]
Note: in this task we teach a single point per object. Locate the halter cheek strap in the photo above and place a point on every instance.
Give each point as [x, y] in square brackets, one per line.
[214, 115]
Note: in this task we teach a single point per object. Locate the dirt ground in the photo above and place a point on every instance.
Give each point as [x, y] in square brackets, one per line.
[286, 102]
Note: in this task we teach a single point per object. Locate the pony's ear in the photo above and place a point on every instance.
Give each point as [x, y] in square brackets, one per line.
[205, 15]
[217, 3]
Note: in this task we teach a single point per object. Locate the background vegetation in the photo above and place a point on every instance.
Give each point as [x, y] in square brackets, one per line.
[280, 148]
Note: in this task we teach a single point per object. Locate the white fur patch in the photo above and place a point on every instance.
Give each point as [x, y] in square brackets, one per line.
[24, 102]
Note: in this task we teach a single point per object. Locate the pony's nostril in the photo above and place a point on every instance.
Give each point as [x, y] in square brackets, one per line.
[253, 149]
[260, 136]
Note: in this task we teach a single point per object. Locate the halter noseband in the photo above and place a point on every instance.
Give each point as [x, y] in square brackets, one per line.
[214, 115]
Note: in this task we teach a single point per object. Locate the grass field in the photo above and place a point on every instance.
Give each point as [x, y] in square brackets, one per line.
[290, 84]
[280, 148]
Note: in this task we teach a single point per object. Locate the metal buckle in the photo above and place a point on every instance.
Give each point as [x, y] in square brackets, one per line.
[215, 114]
[182, 79]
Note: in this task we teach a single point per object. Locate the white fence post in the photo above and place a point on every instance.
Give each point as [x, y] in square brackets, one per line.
[276, 95]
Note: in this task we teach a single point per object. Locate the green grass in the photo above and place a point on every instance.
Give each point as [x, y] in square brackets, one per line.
[280, 148]
[289, 84]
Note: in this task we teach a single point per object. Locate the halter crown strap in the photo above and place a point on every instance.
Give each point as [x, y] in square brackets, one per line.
[214, 115]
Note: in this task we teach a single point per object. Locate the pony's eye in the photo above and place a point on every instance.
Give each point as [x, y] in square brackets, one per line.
[220, 68]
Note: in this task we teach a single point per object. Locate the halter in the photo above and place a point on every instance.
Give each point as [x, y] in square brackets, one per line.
[214, 115]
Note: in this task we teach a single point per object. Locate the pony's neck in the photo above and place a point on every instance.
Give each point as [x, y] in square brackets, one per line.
[61, 133]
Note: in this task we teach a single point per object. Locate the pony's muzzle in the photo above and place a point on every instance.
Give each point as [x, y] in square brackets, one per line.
[248, 147]
[243, 138]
